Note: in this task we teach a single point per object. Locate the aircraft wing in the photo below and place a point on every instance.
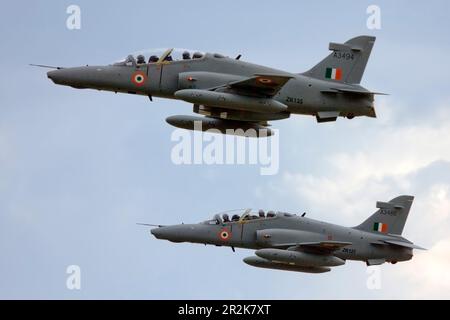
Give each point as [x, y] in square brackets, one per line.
[238, 105]
[266, 85]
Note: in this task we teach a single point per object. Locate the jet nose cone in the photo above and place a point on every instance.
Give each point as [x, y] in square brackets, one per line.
[157, 233]
[59, 76]
[78, 77]
[165, 233]
[53, 75]
[177, 233]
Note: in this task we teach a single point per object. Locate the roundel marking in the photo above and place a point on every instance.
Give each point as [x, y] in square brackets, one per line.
[139, 78]
[224, 234]
[265, 81]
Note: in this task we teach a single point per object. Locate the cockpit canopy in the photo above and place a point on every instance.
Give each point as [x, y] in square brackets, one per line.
[245, 215]
[159, 55]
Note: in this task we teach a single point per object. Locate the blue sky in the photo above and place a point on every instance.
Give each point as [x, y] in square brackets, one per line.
[79, 168]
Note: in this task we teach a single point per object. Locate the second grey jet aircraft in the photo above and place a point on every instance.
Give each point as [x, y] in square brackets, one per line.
[295, 243]
[235, 96]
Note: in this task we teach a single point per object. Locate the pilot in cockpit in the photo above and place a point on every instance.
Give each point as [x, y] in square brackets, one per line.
[168, 58]
[261, 213]
[140, 59]
[226, 218]
[235, 217]
[153, 59]
[197, 55]
[186, 55]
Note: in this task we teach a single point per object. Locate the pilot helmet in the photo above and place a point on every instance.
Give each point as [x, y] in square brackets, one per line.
[140, 59]
[186, 55]
[153, 59]
[197, 55]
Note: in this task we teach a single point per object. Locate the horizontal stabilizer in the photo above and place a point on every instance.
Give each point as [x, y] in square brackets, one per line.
[404, 244]
[352, 91]
[358, 91]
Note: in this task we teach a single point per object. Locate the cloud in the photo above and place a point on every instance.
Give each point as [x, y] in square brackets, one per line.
[392, 154]
[427, 276]
[410, 158]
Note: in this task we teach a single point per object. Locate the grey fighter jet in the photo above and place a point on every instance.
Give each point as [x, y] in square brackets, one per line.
[234, 96]
[286, 241]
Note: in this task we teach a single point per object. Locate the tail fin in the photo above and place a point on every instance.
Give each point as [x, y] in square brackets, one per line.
[347, 61]
[390, 218]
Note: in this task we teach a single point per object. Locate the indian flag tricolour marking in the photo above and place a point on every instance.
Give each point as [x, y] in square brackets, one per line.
[333, 73]
[380, 227]
[138, 78]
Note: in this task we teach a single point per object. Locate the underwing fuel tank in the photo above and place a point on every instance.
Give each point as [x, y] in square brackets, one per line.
[263, 263]
[238, 128]
[230, 101]
[299, 258]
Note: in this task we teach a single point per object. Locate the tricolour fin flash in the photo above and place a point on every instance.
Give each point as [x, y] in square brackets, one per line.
[390, 218]
[347, 62]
